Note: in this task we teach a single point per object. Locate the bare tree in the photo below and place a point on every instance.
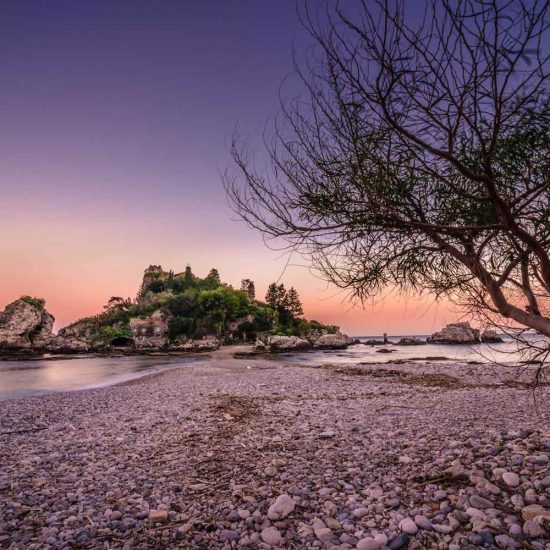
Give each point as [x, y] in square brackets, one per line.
[420, 158]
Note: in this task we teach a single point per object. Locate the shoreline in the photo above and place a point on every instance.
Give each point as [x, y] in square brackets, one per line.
[195, 457]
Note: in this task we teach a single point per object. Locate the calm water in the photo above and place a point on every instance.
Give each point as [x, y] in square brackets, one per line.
[505, 352]
[24, 378]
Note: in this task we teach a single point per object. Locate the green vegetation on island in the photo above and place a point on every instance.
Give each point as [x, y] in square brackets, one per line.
[182, 306]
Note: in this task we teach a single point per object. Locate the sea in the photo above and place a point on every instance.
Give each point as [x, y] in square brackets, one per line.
[27, 377]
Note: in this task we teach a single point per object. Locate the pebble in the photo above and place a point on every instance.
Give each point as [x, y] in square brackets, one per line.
[271, 535]
[511, 479]
[301, 491]
[281, 508]
[423, 522]
[407, 525]
[532, 529]
[368, 544]
[399, 542]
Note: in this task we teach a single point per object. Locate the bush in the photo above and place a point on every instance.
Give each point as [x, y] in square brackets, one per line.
[178, 326]
[36, 302]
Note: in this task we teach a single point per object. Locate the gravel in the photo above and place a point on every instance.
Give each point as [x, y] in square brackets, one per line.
[241, 453]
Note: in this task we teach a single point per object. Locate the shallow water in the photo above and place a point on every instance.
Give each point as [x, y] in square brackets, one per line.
[504, 353]
[23, 377]
[34, 377]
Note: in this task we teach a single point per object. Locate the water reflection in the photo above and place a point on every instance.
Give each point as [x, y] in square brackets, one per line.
[24, 378]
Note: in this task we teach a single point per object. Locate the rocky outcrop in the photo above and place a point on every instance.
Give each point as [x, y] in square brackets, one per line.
[490, 336]
[61, 344]
[77, 337]
[150, 333]
[210, 343]
[410, 341]
[287, 343]
[25, 325]
[456, 333]
[333, 341]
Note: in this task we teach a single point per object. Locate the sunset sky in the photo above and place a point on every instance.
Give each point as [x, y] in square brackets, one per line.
[116, 124]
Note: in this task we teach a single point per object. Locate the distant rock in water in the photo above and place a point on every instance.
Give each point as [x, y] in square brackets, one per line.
[277, 343]
[456, 333]
[287, 343]
[410, 341]
[333, 341]
[25, 325]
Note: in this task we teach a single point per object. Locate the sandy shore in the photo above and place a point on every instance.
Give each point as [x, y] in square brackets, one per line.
[375, 456]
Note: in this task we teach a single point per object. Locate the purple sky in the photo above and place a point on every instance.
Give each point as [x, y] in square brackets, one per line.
[116, 123]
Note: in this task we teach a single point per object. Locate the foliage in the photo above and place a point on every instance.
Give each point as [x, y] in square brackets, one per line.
[286, 303]
[247, 286]
[109, 333]
[33, 301]
[197, 307]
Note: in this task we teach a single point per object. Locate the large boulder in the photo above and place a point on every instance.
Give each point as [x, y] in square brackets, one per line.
[25, 325]
[287, 343]
[333, 341]
[150, 333]
[456, 333]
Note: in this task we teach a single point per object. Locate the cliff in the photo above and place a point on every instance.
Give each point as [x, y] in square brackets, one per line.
[25, 325]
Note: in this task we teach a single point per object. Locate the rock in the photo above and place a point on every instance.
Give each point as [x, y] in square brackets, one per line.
[25, 325]
[456, 333]
[423, 522]
[360, 512]
[69, 344]
[511, 479]
[534, 510]
[407, 525]
[281, 508]
[227, 535]
[287, 343]
[208, 343]
[479, 502]
[400, 541]
[504, 541]
[260, 346]
[410, 341]
[368, 544]
[150, 333]
[532, 529]
[324, 534]
[271, 535]
[333, 341]
[78, 337]
[490, 336]
[158, 516]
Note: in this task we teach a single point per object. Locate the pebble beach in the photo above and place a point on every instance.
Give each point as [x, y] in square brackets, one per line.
[267, 453]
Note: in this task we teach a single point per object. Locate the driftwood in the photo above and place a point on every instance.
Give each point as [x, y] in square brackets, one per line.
[25, 430]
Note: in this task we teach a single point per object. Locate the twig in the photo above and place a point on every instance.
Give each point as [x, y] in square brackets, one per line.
[25, 430]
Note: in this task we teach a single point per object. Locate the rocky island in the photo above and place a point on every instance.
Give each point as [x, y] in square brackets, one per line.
[172, 312]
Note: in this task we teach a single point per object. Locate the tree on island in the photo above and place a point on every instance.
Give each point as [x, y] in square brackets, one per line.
[420, 158]
[212, 280]
[286, 303]
[247, 286]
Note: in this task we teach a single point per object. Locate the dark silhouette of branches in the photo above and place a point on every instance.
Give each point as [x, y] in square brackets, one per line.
[420, 156]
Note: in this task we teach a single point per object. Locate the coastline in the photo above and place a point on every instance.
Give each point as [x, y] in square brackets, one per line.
[194, 457]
